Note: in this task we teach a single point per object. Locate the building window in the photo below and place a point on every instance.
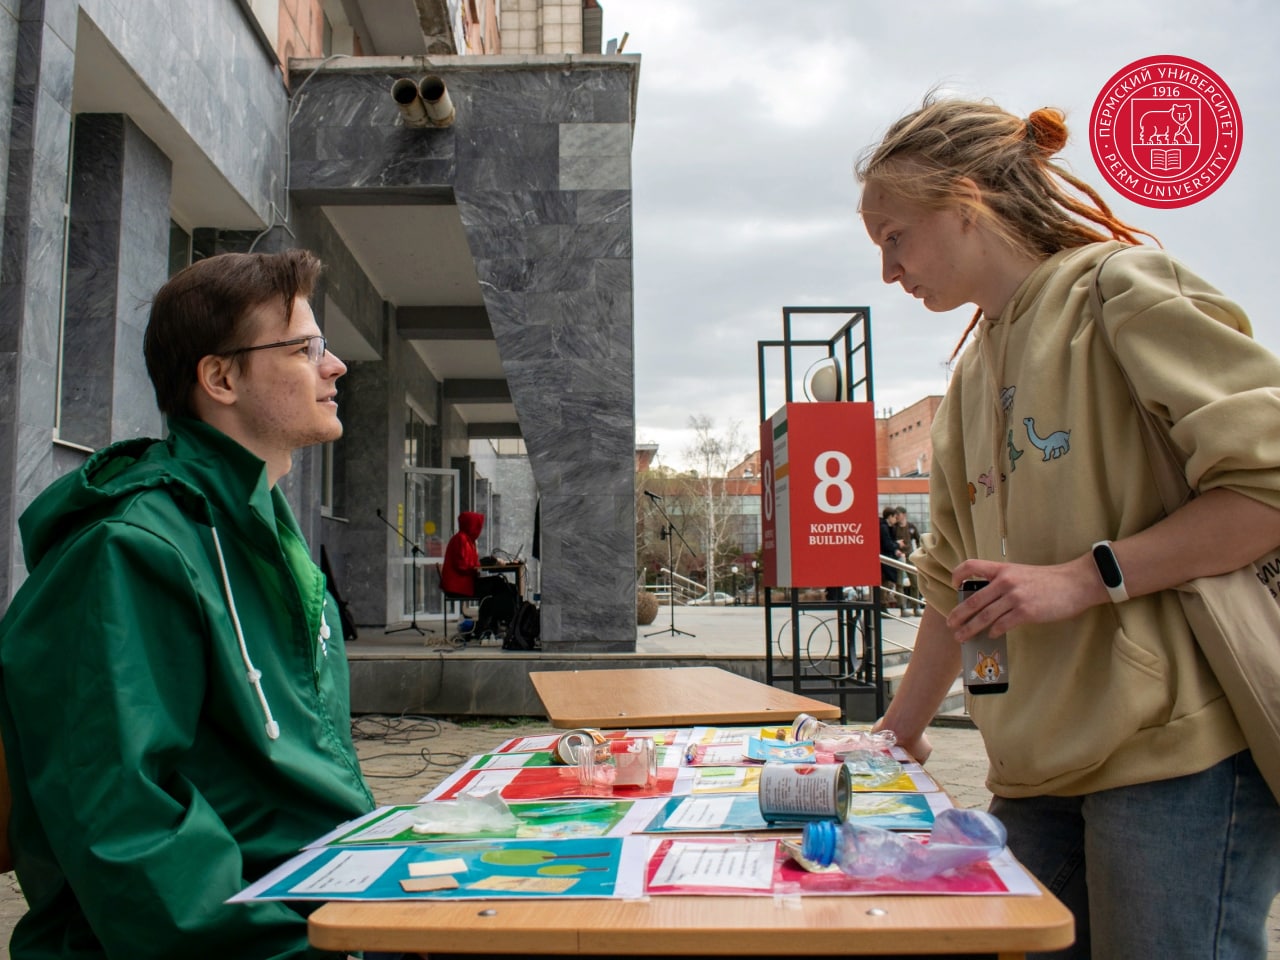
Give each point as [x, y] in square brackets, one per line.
[421, 438]
[179, 248]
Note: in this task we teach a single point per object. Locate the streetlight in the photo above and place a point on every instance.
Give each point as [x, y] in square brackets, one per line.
[755, 583]
[734, 570]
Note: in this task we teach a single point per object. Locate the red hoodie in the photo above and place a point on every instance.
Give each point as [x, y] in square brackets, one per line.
[461, 559]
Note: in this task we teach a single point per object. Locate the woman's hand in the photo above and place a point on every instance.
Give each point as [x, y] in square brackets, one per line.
[1017, 594]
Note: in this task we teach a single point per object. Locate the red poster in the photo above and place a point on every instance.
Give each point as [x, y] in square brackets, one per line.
[819, 510]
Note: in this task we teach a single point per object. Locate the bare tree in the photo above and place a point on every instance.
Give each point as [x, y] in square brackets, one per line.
[713, 452]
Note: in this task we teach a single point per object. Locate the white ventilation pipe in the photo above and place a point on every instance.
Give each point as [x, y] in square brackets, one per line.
[424, 104]
[435, 98]
[405, 93]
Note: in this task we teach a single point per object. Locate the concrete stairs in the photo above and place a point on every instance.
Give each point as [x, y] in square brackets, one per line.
[895, 666]
[422, 673]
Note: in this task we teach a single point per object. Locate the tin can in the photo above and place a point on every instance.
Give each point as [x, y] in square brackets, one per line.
[810, 791]
[566, 747]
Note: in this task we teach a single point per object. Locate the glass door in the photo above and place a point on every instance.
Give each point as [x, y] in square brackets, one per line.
[427, 517]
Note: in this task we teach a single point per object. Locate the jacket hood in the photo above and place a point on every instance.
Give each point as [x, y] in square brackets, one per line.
[130, 467]
[471, 523]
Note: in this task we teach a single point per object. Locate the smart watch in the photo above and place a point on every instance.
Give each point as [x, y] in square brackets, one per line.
[1109, 569]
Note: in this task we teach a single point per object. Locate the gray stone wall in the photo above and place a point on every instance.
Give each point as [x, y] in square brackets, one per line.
[204, 64]
[31, 267]
[538, 163]
[8, 60]
[116, 260]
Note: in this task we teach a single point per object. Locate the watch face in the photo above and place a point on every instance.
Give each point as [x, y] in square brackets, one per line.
[1107, 566]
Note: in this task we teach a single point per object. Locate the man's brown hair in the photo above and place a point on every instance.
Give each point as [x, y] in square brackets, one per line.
[201, 311]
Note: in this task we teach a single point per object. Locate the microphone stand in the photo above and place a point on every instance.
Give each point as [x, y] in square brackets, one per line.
[413, 573]
[669, 533]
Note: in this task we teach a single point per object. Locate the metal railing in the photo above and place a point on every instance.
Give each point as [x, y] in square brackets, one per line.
[831, 646]
[902, 599]
[681, 588]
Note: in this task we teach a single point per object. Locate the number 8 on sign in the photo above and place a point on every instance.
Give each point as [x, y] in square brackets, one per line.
[829, 479]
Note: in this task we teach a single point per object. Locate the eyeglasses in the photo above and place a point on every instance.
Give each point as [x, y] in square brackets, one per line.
[316, 347]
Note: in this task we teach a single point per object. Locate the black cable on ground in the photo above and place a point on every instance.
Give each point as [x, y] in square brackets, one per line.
[402, 730]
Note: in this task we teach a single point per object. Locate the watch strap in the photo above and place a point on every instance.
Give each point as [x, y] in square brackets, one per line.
[1104, 559]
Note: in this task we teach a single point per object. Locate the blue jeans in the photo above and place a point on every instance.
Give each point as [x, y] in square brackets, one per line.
[1182, 868]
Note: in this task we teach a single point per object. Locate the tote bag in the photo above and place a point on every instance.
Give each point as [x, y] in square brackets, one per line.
[1235, 616]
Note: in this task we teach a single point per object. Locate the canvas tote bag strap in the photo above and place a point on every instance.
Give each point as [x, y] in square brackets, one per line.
[1233, 617]
[1166, 461]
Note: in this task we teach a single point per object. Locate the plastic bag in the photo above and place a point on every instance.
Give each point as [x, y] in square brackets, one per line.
[958, 838]
[871, 768]
[467, 814]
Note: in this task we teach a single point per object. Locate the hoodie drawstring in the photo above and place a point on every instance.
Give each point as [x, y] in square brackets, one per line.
[1001, 422]
[253, 674]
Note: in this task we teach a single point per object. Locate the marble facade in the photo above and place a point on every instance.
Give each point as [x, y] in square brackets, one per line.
[538, 165]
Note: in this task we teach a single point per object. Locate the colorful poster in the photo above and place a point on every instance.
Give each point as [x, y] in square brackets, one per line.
[913, 779]
[510, 761]
[547, 741]
[514, 869]
[736, 813]
[730, 735]
[747, 750]
[715, 755]
[549, 820]
[667, 756]
[726, 780]
[773, 751]
[762, 867]
[547, 783]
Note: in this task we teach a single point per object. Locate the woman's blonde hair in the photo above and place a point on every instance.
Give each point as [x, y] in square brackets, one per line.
[926, 157]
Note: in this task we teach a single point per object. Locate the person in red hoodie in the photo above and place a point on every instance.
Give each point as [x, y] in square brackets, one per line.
[460, 574]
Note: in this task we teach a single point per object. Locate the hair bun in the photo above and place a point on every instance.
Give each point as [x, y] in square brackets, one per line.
[1047, 128]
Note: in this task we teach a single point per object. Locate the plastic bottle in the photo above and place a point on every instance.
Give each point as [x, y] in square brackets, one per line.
[984, 659]
[836, 738]
[958, 838]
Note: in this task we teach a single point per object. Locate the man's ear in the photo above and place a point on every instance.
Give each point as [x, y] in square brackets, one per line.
[217, 379]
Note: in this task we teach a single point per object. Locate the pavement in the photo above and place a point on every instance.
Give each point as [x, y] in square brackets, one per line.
[683, 632]
[403, 758]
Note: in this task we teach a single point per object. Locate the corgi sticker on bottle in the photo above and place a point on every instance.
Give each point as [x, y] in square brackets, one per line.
[984, 659]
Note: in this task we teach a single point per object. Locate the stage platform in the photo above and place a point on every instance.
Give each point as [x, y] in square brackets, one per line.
[404, 672]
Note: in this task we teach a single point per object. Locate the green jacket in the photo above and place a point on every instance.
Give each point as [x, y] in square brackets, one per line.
[147, 785]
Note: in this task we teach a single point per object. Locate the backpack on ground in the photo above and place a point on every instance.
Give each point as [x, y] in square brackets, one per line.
[524, 629]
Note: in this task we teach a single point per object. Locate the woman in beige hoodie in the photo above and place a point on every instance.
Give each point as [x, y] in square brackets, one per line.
[1115, 761]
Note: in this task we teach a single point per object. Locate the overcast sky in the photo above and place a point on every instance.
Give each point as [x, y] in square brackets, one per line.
[749, 118]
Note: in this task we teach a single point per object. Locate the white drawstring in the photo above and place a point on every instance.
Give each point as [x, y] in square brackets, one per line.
[253, 674]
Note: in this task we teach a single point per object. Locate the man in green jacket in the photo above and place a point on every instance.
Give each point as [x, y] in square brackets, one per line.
[173, 682]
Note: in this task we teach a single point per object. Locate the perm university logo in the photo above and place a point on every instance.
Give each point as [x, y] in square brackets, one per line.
[1165, 131]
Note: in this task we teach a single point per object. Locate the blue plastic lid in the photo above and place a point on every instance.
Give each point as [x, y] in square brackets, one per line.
[820, 841]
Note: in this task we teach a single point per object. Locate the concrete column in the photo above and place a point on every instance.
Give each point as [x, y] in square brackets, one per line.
[117, 258]
[31, 265]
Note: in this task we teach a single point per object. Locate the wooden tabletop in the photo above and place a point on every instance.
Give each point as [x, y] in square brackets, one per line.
[678, 696]
[701, 926]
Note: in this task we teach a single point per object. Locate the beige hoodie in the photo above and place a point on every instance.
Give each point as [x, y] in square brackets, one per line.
[1038, 454]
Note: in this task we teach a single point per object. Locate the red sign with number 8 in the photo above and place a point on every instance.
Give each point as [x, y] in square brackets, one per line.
[819, 513]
